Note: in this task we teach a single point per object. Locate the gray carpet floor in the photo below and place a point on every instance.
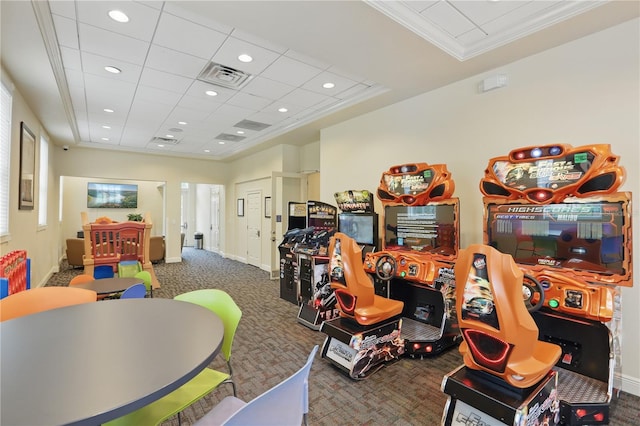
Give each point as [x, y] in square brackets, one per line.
[270, 345]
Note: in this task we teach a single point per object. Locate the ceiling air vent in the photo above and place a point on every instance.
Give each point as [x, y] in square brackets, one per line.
[165, 141]
[229, 137]
[224, 76]
[251, 125]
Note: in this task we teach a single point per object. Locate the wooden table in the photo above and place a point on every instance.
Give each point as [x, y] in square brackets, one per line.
[110, 285]
[91, 363]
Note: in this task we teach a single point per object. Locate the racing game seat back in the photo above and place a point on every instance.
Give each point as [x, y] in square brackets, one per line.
[353, 287]
[500, 336]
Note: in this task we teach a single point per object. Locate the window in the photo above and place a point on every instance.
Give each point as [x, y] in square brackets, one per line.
[6, 100]
[43, 178]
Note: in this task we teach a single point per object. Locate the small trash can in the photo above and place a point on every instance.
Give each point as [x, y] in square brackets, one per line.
[198, 240]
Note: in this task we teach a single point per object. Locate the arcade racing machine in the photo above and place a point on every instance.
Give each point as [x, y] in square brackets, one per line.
[556, 211]
[507, 376]
[409, 308]
[315, 296]
[421, 240]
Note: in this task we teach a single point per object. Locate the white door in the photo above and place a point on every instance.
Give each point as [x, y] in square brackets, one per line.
[254, 232]
[184, 213]
[214, 236]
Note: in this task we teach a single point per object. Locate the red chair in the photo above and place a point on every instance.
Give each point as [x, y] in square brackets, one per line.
[353, 287]
[500, 336]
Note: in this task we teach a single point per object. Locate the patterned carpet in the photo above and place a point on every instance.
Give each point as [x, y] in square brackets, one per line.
[270, 345]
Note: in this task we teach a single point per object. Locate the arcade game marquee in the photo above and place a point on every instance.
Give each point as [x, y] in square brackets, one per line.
[556, 211]
[408, 308]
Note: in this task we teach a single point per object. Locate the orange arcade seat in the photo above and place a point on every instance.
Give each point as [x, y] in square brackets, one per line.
[354, 287]
[500, 336]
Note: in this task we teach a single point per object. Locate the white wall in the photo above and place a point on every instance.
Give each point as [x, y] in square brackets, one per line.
[584, 92]
[91, 163]
[41, 243]
[74, 201]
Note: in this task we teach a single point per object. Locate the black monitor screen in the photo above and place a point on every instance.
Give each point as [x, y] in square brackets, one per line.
[362, 227]
[430, 229]
[580, 236]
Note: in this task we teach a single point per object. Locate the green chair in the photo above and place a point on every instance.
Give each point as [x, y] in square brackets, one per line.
[209, 379]
[145, 276]
[129, 268]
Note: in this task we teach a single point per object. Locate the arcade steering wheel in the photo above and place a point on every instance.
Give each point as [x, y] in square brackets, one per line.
[532, 293]
[386, 267]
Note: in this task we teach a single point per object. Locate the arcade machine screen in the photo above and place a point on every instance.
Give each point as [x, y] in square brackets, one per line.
[423, 229]
[361, 227]
[588, 236]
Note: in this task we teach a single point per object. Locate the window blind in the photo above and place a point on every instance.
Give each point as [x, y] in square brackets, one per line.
[5, 156]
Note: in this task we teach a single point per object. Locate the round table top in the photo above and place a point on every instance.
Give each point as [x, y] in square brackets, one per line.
[109, 285]
[90, 363]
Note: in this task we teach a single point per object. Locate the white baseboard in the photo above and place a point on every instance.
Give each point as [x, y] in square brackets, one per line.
[630, 384]
[173, 260]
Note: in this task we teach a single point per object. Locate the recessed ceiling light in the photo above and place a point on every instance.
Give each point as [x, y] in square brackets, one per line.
[328, 85]
[283, 110]
[206, 150]
[107, 110]
[211, 93]
[105, 139]
[118, 16]
[113, 70]
[106, 127]
[240, 132]
[160, 145]
[169, 136]
[221, 142]
[182, 123]
[245, 58]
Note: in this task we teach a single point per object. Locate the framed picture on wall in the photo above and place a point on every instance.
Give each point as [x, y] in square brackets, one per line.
[27, 167]
[240, 207]
[267, 207]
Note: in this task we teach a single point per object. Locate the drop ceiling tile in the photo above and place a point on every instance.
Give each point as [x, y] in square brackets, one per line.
[66, 31]
[94, 64]
[290, 71]
[271, 117]
[185, 36]
[482, 12]
[174, 62]
[205, 105]
[108, 93]
[316, 63]
[164, 80]
[112, 45]
[249, 101]
[303, 98]
[341, 84]
[292, 109]
[198, 89]
[175, 9]
[63, 8]
[521, 17]
[448, 19]
[142, 19]
[191, 115]
[227, 115]
[267, 88]
[257, 41]
[152, 94]
[71, 59]
[233, 47]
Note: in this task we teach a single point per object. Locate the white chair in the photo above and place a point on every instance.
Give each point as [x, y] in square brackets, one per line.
[285, 404]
